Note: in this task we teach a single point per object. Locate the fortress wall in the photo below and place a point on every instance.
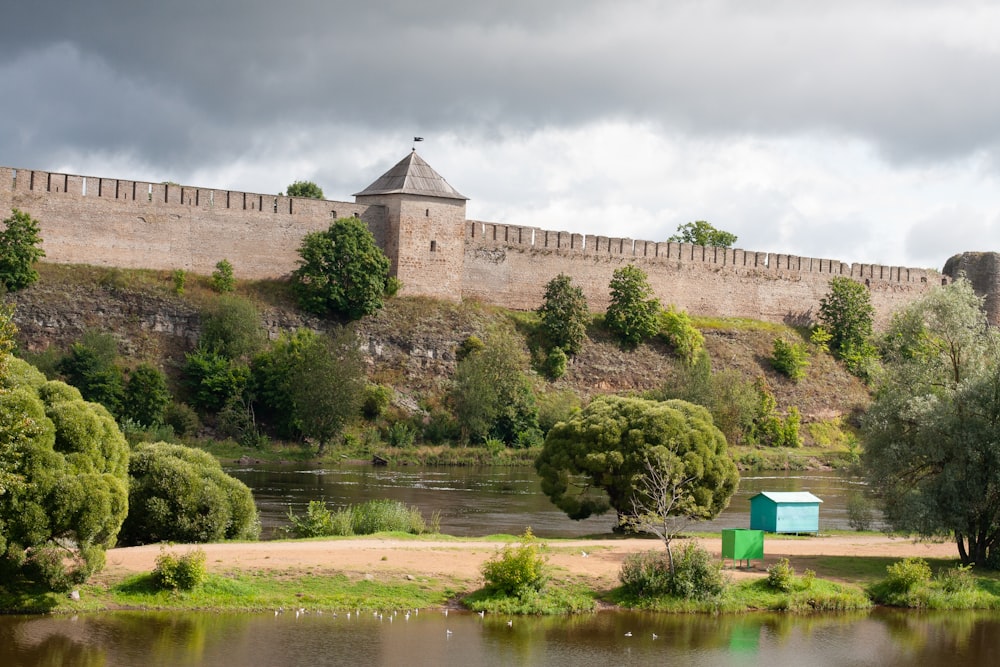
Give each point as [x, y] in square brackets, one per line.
[134, 224]
[715, 282]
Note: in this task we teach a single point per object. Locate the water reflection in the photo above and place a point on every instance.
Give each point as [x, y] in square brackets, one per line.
[430, 638]
[479, 501]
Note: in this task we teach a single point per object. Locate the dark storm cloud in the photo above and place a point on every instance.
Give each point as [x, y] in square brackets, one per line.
[186, 79]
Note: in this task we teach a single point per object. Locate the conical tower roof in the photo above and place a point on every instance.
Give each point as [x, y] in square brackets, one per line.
[411, 176]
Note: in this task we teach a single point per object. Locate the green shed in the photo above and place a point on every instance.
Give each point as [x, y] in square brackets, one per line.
[742, 544]
[785, 512]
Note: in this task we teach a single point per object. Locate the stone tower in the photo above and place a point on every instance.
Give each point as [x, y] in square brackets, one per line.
[424, 232]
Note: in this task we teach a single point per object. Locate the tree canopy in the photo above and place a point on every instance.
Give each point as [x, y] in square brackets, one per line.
[703, 233]
[342, 271]
[598, 459]
[848, 316]
[19, 250]
[633, 312]
[306, 189]
[932, 434]
[564, 315]
[181, 494]
[69, 462]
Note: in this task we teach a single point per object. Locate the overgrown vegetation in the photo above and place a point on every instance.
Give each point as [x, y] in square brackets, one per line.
[374, 516]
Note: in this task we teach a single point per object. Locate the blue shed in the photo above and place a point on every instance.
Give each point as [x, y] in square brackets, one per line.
[785, 512]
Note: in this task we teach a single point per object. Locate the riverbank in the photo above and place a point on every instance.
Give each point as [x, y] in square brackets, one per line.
[398, 572]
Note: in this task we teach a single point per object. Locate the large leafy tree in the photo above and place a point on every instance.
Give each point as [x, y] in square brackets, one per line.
[181, 494]
[633, 312]
[703, 233]
[70, 467]
[491, 394]
[847, 314]
[342, 271]
[932, 434]
[309, 385]
[598, 459]
[564, 315]
[146, 395]
[19, 250]
[306, 189]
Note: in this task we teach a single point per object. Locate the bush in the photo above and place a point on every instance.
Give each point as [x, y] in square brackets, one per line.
[375, 400]
[183, 419]
[790, 359]
[213, 380]
[232, 327]
[222, 278]
[956, 579]
[184, 573]
[383, 515]
[20, 248]
[632, 314]
[146, 396]
[904, 575]
[696, 574]
[678, 331]
[781, 576]
[555, 363]
[517, 571]
[646, 573]
[399, 434]
[179, 277]
[317, 521]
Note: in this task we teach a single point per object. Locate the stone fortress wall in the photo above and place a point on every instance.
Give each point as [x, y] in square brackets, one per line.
[135, 224]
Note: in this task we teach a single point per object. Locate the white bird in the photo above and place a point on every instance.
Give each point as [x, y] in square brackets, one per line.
[510, 624]
[482, 614]
[656, 636]
[448, 633]
[584, 554]
[348, 616]
[445, 612]
[628, 634]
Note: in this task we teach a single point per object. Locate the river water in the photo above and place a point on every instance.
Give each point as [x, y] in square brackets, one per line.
[882, 638]
[477, 501]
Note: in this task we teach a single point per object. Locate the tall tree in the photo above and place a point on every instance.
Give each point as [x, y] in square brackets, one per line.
[932, 434]
[597, 460]
[848, 316]
[703, 233]
[306, 189]
[564, 314]
[19, 250]
[342, 271]
[633, 312]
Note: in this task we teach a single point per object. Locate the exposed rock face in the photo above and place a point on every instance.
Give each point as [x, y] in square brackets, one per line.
[982, 269]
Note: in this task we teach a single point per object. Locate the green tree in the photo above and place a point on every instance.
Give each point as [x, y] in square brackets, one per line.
[19, 250]
[564, 315]
[309, 385]
[231, 326]
[90, 367]
[932, 454]
[146, 396]
[342, 271]
[789, 359]
[306, 189]
[223, 280]
[703, 233]
[11, 428]
[213, 380]
[181, 494]
[73, 462]
[676, 328]
[492, 396]
[597, 460]
[632, 314]
[848, 316]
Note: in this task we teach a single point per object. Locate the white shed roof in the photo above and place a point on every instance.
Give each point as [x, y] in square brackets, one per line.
[789, 497]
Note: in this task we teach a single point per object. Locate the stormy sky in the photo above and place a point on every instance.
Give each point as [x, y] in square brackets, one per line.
[861, 130]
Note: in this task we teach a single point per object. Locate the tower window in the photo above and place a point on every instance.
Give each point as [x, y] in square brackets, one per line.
[434, 246]
[333, 214]
[427, 213]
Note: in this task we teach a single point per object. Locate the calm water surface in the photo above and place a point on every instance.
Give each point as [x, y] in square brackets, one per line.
[486, 500]
[252, 640]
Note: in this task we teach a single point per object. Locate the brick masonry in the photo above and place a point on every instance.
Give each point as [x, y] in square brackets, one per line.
[435, 251]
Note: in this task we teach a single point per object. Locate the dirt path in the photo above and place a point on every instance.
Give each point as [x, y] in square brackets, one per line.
[462, 559]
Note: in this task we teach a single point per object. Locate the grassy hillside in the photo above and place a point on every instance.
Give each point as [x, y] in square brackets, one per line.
[411, 344]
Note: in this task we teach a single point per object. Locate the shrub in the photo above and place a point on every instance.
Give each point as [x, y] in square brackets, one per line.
[904, 575]
[781, 576]
[180, 573]
[789, 359]
[375, 400]
[399, 434]
[183, 419]
[956, 579]
[555, 363]
[631, 316]
[517, 571]
[231, 326]
[468, 346]
[212, 379]
[222, 278]
[384, 515]
[146, 396]
[20, 248]
[317, 521]
[555, 407]
[179, 277]
[645, 573]
[678, 331]
[696, 574]
[563, 316]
